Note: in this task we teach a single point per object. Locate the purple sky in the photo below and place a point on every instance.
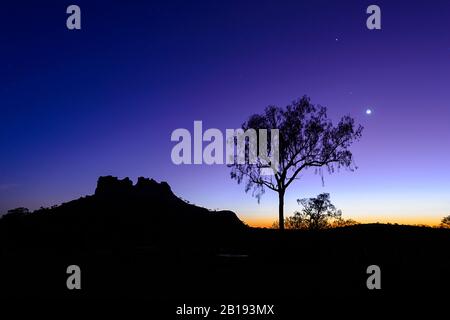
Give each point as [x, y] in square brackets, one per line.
[105, 99]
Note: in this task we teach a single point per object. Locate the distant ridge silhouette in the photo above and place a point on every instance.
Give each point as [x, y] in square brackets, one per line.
[141, 240]
[118, 214]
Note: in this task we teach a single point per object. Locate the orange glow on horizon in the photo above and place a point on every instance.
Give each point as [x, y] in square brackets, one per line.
[268, 222]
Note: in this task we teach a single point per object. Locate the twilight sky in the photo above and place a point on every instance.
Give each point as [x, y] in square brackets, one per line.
[104, 100]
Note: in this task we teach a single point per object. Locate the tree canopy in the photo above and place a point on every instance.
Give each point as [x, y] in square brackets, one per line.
[307, 139]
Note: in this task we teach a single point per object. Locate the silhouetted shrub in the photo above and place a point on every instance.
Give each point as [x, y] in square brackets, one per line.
[16, 213]
[445, 223]
[317, 213]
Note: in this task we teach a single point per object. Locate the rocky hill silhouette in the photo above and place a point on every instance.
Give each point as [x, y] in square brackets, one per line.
[120, 214]
[142, 241]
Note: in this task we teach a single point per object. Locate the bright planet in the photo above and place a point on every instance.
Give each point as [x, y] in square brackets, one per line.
[368, 111]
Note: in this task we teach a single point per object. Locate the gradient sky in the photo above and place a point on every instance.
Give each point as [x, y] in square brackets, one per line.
[104, 100]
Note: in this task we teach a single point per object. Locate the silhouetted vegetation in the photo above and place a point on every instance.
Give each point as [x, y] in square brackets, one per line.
[21, 211]
[317, 213]
[445, 223]
[341, 222]
[307, 139]
[16, 213]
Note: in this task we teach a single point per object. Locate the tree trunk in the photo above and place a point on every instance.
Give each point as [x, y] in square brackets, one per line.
[281, 209]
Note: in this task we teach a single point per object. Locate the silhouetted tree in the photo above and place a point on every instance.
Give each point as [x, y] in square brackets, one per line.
[445, 223]
[16, 213]
[307, 138]
[316, 213]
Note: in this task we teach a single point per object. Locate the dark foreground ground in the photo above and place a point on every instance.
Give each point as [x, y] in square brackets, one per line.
[259, 265]
[145, 243]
